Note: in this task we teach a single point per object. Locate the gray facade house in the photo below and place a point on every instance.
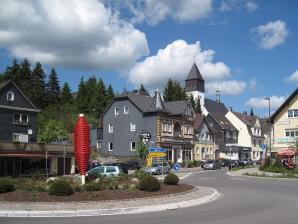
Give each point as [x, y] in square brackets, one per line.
[130, 114]
[20, 154]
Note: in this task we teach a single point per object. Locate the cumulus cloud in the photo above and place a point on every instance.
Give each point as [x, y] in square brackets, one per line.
[271, 34]
[293, 77]
[253, 83]
[261, 103]
[77, 34]
[230, 5]
[230, 87]
[175, 61]
[155, 11]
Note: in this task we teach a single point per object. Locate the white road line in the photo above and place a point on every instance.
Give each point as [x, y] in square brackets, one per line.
[236, 178]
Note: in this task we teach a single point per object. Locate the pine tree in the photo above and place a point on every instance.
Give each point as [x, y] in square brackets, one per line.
[251, 112]
[53, 88]
[192, 101]
[66, 95]
[82, 102]
[168, 93]
[12, 72]
[38, 86]
[100, 97]
[24, 81]
[109, 96]
[198, 108]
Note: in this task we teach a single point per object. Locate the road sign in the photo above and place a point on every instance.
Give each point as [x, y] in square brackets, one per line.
[176, 167]
[263, 146]
[157, 150]
[157, 154]
[145, 135]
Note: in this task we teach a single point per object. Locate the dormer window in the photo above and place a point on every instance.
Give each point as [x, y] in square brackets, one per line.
[10, 96]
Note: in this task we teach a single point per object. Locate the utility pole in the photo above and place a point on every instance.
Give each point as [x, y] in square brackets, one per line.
[270, 150]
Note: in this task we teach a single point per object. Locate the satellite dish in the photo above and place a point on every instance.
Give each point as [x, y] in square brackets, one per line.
[30, 131]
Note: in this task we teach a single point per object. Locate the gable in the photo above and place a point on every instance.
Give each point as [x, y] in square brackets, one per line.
[258, 124]
[19, 99]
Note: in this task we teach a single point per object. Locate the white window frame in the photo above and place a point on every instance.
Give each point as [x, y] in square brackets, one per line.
[98, 144]
[291, 131]
[20, 121]
[111, 148]
[10, 93]
[292, 113]
[117, 111]
[131, 144]
[126, 110]
[111, 128]
[133, 127]
[20, 137]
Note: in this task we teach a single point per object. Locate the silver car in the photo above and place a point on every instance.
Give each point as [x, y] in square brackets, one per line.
[159, 168]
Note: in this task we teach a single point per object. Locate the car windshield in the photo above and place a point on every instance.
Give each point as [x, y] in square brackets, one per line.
[155, 165]
[210, 161]
[99, 169]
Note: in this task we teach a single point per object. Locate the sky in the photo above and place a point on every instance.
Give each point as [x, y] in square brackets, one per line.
[245, 48]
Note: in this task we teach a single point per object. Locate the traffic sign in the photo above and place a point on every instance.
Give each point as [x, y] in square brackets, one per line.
[157, 150]
[145, 135]
[263, 146]
[157, 154]
[176, 167]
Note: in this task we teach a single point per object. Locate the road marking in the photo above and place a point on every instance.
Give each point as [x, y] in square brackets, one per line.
[206, 178]
[236, 178]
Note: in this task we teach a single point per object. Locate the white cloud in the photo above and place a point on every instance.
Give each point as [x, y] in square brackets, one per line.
[253, 83]
[73, 33]
[175, 61]
[261, 103]
[156, 11]
[251, 6]
[229, 5]
[230, 87]
[271, 34]
[293, 77]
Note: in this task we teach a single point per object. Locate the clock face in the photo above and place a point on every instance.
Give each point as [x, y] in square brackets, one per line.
[30, 131]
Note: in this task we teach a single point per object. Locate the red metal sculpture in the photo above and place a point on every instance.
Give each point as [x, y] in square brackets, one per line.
[82, 145]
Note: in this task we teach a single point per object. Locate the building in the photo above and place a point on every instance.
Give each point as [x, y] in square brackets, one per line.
[20, 155]
[250, 137]
[223, 131]
[203, 139]
[285, 124]
[169, 125]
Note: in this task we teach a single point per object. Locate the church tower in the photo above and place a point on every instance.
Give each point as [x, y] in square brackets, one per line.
[195, 86]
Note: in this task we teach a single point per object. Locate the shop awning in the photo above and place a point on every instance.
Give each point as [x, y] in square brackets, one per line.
[286, 153]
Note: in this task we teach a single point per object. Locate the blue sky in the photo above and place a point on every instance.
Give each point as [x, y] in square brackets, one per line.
[246, 48]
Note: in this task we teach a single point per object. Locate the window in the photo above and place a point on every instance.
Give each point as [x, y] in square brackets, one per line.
[98, 144]
[291, 133]
[111, 128]
[293, 113]
[133, 146]
[234, 135]
[110, 169]
[111, 146]
[167, 126]
[126, 110]
[20, 118]
[227, 134]
[132, 127]
[260, 143]
[19, 137]
[116, 111]
[188, 130]
[10, 96]
[255, 142]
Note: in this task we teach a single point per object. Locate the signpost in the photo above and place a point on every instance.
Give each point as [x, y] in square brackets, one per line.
[176, 167]
[156, 153]
[230, 145]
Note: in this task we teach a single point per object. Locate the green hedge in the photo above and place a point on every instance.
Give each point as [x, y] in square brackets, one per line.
[149, 183]
[60, 188]
[171, 179]
[6, 185]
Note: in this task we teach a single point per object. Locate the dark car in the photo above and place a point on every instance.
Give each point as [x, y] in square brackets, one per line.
[212, 165]
[244, 162]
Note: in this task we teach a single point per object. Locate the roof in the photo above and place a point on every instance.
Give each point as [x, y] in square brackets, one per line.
[194, 73]
[5, 83]
[286, 103]
[264, 125]
[199, 119]
[218, 111]
[246, 119]
[147, 104]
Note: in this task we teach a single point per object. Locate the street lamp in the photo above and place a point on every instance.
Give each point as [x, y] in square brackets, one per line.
[268, 98]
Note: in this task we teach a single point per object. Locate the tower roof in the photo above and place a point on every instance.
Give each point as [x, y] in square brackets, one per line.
[194, 73]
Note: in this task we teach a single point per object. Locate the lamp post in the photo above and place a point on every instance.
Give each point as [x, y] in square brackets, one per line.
[268, 98]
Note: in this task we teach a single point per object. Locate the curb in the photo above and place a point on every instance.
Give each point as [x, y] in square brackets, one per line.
[115, 211]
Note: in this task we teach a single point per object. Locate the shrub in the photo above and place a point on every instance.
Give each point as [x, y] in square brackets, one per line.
[149, 183]
[196, 163]
[190, 164]
[60, 188]
[6, 185]
[32, 185]
[171, 179]
[93, 186]
[184, 164]
[140, 174]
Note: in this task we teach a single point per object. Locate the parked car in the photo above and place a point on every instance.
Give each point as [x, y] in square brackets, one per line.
[159, 168]
[244, 162]
[212, 165]
[105, 170]
[224, 163]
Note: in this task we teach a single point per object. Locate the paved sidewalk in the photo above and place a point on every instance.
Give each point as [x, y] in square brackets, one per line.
[197, 196]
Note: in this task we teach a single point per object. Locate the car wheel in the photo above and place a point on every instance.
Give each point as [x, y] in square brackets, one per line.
[157, 172]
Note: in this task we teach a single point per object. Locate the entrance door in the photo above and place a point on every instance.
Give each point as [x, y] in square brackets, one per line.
[61, 166]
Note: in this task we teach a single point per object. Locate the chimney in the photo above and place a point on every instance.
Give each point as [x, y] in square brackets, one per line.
[231, 109]
[217, 96]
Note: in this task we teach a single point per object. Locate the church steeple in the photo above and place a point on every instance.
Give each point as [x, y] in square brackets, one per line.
[194, 80]
[217, 96]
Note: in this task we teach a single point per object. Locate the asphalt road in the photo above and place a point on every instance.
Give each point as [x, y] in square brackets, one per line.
[244, 201]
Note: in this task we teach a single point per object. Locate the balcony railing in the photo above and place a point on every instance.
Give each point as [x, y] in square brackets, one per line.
[34, 147]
